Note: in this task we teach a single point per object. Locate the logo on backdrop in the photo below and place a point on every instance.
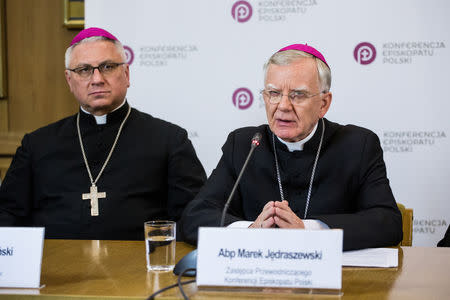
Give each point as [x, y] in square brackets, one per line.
[129, 54]
[241, 11]
[408, 141]
[397, 53]
[403, 52]
[365, 53]
[242, 98]
[429, 226]
[159, 56]
[271, 11]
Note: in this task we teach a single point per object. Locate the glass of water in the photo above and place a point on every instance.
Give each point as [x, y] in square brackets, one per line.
[160, 240]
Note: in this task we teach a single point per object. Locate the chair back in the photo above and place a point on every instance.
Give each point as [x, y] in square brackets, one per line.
[407, 224]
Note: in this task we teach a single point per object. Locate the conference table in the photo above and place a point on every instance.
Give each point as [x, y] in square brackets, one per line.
[93, 269]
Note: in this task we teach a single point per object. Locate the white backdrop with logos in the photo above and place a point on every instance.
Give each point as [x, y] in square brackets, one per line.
[199, 64]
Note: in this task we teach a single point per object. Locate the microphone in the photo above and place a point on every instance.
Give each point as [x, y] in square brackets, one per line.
[255, 143]
[189, 261]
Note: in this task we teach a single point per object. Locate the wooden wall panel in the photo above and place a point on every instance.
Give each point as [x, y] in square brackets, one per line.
[3, 115]
[36, 42]
[37, 91]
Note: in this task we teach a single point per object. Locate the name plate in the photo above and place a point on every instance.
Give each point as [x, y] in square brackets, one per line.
[21, 256]
[292, 258]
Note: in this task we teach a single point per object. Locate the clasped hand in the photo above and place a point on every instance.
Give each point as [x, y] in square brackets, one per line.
[277, 213]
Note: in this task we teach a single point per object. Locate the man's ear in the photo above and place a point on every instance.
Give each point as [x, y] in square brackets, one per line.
[325, 104]
[127, 74]
[68, 79]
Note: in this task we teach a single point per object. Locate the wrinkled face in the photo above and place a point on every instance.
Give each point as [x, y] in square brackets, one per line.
[99, 94]
[290, 122]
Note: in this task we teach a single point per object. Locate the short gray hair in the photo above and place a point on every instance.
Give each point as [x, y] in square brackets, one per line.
[287, 57]
[118, 45]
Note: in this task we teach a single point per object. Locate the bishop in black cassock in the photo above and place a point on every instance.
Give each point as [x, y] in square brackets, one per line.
[350, 189]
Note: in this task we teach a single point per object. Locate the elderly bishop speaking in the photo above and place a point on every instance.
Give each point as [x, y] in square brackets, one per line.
[103, 172]
[308, 172]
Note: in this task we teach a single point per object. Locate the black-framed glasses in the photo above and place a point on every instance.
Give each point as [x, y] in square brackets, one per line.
[296, 97]
[86, 71]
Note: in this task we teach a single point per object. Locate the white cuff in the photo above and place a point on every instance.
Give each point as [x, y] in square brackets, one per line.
[315, 224]
[240, 224]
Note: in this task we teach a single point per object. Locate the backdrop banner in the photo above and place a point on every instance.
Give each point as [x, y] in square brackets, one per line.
[199, 64]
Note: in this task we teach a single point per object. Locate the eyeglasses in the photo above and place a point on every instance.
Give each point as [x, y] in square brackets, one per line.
[296, 97]
[105, 69]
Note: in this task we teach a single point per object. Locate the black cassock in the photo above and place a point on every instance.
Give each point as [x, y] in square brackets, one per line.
[350, 190]
[152, 174]
[445, 242]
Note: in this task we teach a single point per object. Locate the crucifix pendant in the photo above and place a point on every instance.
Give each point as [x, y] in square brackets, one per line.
[94, 196]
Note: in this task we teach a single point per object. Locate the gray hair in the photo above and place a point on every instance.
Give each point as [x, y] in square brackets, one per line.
[287, 57]
[118, 45]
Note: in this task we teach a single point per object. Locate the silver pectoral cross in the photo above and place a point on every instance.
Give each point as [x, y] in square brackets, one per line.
[94, 196]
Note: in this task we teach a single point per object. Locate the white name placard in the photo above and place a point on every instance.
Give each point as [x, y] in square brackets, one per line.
[21, 256]
[275, 257]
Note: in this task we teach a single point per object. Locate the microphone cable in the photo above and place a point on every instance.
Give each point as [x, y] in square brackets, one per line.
[179, 284]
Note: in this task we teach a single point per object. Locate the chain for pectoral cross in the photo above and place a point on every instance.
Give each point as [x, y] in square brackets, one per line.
[311, 180]
[94, 195]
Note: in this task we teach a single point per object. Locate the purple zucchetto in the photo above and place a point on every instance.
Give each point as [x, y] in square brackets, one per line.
[92, 31]
[307, 49]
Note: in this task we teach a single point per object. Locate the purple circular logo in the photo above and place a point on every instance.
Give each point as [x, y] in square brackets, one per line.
[241, 11]
[242, 98]
[129, 54]
[365, 53]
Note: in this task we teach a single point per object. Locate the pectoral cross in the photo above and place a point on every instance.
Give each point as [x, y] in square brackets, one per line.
[94, 196]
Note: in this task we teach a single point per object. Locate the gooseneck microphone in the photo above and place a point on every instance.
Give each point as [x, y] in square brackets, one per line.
[255, 143]
[188, 264]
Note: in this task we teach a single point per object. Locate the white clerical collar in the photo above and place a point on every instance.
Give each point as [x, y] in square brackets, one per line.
[102, 119]
[298, 146]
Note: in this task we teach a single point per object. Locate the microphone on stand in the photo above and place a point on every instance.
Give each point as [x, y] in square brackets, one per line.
[255, 143]
[189, 261]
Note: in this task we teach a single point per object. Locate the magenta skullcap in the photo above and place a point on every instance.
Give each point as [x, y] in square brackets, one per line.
[307, 49]
[92, 31]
